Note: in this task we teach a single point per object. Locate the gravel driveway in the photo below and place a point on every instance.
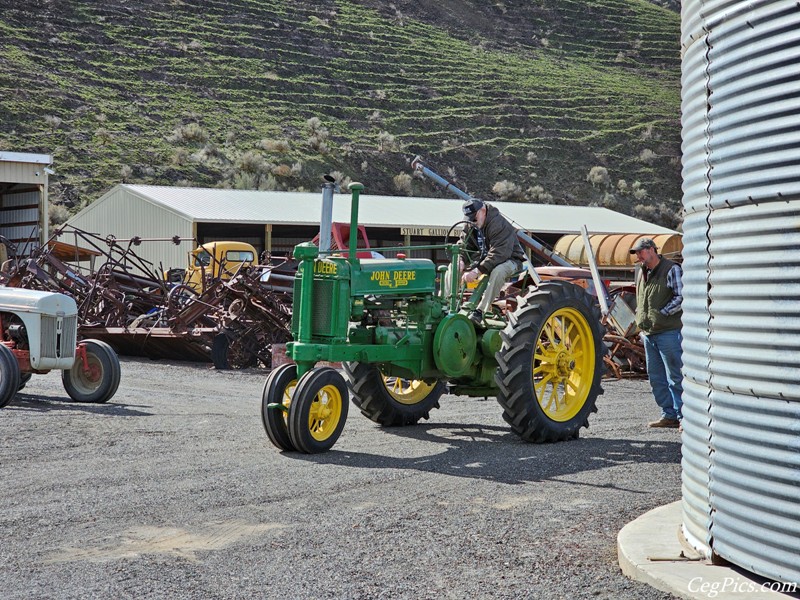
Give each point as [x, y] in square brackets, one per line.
[172, 490]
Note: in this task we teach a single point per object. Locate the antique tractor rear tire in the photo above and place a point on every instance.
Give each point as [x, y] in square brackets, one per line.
[99, 382]
[9, 375]
[550, 363]
[275, 401]
[391, 401]
[318, 410]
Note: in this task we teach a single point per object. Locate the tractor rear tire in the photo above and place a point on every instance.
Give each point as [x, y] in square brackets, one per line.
[24, 378]
[389, 401]
[550, 364]
[9, 375]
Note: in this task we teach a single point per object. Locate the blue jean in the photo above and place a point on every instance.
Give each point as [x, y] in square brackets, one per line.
[664, 362]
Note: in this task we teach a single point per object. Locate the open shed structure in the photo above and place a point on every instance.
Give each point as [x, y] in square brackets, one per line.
[23, 199]
[274, 222]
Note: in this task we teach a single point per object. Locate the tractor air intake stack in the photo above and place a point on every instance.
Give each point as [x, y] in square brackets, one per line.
[326, 219]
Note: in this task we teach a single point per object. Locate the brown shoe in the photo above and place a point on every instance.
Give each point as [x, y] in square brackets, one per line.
[665, 422]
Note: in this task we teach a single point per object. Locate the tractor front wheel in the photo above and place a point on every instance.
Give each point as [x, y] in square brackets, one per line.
[391, 401]
[275, 401]
[96, 379]
[550, 363]
[318, 410]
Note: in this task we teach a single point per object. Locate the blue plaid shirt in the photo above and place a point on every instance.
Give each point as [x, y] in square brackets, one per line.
[675, 283]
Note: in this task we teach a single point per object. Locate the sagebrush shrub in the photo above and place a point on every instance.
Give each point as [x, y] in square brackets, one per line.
[189, 133]
[252, 162]
[537, 194]
[387, 142]
[57, 214]
[508, 191]
[647, 156]
[53, 122]
[275, 146]
[402, 183]
[282, 170]
[598, 176]
[244, 181]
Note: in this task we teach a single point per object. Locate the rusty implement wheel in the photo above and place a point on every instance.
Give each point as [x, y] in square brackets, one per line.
[96, 374]
[550, 364]
[318, 410]
[229, 352]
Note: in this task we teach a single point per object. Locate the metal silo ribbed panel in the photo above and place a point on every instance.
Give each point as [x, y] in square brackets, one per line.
[691, 23]
[751, 316]
[695, 304]
[695, 466]
[693, 118]
[755, 295]
[754, 109]
[755, 483]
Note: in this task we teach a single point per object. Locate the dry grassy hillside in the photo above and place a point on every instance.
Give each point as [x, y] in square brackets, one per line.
[563, 101]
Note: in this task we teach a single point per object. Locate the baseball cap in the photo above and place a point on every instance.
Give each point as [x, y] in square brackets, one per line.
[642, 244]
[471, 208]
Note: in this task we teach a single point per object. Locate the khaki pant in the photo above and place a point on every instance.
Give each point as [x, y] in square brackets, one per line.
[497, 278]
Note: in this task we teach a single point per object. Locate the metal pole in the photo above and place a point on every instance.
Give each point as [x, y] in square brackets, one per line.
[598, 284]
[541, 250]
[326, 219]
[355, 188]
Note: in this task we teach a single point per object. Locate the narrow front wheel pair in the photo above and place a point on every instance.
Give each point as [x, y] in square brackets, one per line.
[305, 415]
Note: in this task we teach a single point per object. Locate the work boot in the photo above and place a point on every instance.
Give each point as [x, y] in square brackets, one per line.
[476, 316]
[665, 422]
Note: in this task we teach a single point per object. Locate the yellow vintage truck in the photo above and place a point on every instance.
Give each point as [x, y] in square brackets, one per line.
[214, 260]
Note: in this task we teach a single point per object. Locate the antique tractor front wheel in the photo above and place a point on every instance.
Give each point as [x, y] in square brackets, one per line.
[275, 401]
[550, 363]
[96, 378]
[391, 401]
[318, 410]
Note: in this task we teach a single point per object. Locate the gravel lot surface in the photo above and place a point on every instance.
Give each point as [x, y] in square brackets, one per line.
[172, 490]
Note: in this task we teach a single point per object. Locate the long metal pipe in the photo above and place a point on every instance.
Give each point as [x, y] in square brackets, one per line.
[326, 219]
[527, 240]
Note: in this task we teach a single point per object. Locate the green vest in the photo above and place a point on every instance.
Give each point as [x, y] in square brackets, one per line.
[653, 295]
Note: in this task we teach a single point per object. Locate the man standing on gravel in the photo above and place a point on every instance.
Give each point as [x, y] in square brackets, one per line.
[659, 295]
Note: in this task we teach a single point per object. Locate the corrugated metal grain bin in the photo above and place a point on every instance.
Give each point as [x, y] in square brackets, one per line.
[741, 151]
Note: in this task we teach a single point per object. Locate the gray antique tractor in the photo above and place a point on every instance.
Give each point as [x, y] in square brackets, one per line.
[38, 333]
[403, 343]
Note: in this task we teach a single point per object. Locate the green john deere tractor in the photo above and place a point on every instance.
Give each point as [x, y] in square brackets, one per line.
[403, 344]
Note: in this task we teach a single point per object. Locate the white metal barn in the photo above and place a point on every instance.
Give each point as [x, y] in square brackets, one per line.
[23, 198]
[276, 221]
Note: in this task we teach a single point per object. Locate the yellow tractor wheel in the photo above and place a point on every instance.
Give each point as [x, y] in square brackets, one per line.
[551, 363]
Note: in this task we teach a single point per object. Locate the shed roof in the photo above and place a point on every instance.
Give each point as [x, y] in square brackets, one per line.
[210, 205]
[24, 157]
